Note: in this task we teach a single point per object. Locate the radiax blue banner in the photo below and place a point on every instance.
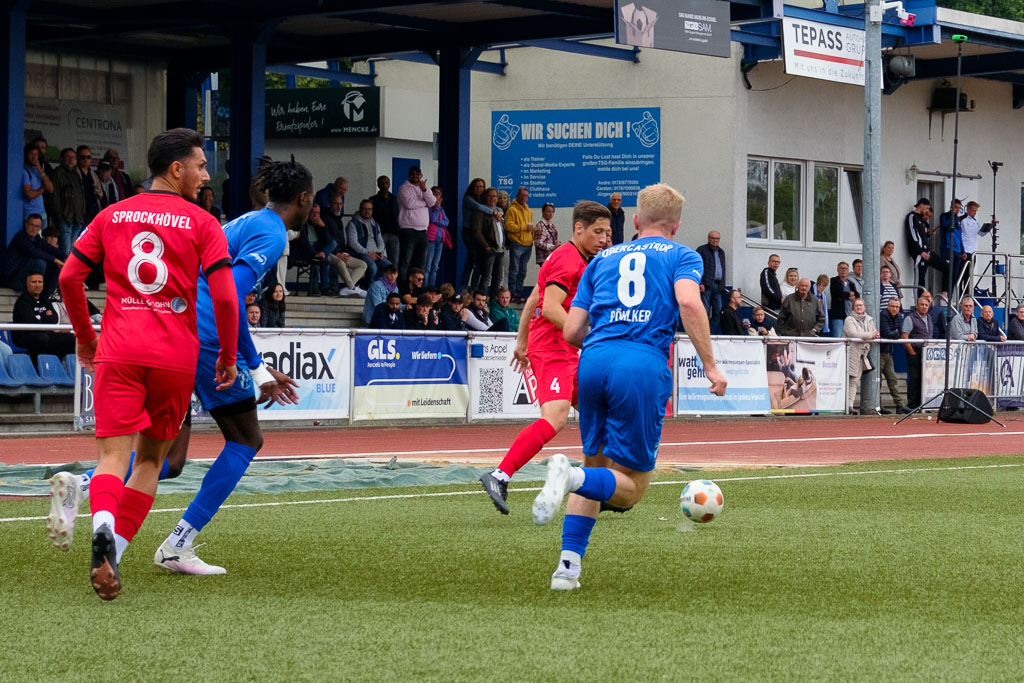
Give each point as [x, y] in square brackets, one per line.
[409, 377]
[565, 155]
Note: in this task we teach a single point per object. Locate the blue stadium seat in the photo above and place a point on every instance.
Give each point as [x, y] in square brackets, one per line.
[52, 370]
[5, 337]
[71, 365]
[21, 370]
[5, 379]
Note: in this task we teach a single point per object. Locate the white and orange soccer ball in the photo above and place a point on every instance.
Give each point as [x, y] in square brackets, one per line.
[701, 501]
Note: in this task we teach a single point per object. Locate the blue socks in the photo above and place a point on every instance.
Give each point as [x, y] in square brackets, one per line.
[576, 533]
[220, 480]
[598, 483]
[163, 470]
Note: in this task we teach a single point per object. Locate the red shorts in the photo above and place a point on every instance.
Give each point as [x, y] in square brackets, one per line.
[556, 375]
[135, 398]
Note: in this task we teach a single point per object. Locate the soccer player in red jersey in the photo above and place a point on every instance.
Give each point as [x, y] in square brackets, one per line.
[541, 347]
[152, 247]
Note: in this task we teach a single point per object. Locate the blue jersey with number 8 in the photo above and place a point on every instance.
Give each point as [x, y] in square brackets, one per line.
[629, 291]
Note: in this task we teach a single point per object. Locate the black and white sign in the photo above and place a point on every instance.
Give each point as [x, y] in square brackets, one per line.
[697, 26]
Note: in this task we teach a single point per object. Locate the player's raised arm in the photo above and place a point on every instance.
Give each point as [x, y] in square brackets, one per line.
[695, 319]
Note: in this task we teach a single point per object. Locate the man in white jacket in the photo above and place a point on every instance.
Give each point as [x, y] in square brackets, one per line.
[414, 202]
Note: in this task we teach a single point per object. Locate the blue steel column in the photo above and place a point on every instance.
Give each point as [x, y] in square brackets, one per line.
[248, 97]
[453, 148]
[183, 97]
[14, 118]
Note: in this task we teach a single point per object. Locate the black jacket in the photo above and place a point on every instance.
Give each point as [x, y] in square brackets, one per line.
[708, 280]
[989, 331]
[771, 293]
[451, 321]
[731, 323]
[413, 322]
[837, 306]
[384, 320]
[618, 225]
[22, 248]
[29, 311]
[889, 327]
[385, 212]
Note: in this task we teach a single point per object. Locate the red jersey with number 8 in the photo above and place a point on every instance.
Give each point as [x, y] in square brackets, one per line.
[564, 269]
[152, 247]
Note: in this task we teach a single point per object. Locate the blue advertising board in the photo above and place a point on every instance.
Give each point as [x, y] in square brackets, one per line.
[565, 155]
[409, 377]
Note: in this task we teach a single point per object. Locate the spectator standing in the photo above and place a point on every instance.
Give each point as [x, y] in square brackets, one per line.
[501, 309]
[519, 227]
[366, 241]
[28, 253]
[856, 278]
[545, 234]
[272, 307]
[120, 178]
[385, 212]
[842, 292]
[970, 230]
[712, 283]
[890, 326]
[801, 314]
[379, 290]
[788, 284]
[918, 234]
[953, 237]
[438, 238]
[937, 315]
[858, 325]
[771, 293]
[761, 326]
[90, 182]
[39, 142]
[453, 315]
[731, 323]
[109, 194]
[33, 308]
[484, 238]
[887, 290]
[1016, 325]
[504, 201]
[336, 189]
[964, 327]
[820, 290]
[34, 185]
[894, 270]
[388, 315]
[414, 202]
[916, 325]
[422, 316]
[68, 200]
[988, 328]
[618, 221]
[472, 203]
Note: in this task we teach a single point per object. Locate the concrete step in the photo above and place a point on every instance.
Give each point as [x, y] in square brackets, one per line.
[26, 424]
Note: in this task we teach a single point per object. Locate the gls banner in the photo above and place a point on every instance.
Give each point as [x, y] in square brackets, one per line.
[318, 362]
[971, 366]
[498, 392]
[742, 362]
[409, 377]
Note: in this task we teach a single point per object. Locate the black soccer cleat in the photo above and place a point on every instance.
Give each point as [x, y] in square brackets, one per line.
[497, 490]
[103, 572]
[607, 507]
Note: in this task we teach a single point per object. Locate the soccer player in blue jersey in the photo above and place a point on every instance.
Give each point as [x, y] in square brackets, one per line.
[629, 300]
[255, 244]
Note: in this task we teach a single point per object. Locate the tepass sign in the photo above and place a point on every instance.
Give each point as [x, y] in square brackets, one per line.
[823, 51]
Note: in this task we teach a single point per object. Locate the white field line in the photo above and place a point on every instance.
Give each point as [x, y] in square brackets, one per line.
[675, 444]
[402, 496]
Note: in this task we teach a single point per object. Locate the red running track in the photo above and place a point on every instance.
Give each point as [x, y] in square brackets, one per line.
[786, 441]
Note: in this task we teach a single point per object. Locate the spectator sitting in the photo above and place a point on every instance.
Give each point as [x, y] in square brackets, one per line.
[446, 292]
[964, 327]
[859, 325]
[1016, 326]
[251, 298]
[453, 315]
[478, 318]
[29, 253]
[34, 308]
[312, 246]
[545, 234]
[365, 240]
[272, 307]
[890, 326]
[379, 291]
[388, 315]
[801, 314]
[336, 189]
[502, 310]
[761, 325]
[412, 287]
[731, 323]
[252, 314]
[422, 316]
[5, 353]
[988, 328]
[788, 285]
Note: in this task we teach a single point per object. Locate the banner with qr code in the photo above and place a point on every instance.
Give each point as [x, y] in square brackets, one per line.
[496, 390]
[741, 360]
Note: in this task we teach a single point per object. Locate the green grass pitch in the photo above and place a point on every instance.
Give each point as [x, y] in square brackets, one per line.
[911, 575]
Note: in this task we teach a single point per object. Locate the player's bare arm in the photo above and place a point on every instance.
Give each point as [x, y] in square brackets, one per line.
[695, 319]
[552, 309]
[577, 323]
[520, 361]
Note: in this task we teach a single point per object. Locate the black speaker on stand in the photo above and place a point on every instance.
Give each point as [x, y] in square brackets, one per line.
[965, 406]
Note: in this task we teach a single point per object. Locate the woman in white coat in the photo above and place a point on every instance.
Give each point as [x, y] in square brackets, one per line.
[859, 325]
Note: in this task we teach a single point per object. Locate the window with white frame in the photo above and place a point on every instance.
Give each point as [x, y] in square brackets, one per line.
[803, 203]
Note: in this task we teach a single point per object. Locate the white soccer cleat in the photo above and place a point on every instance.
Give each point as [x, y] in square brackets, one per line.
[65, 498]
[566, 577]
[183, 561]
[556, 485]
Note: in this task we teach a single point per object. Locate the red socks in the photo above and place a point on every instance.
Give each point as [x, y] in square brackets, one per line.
[105, 493]
[527, 444]
[135, 505]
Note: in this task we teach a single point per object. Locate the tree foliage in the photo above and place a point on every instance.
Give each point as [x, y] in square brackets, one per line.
[1004, 9]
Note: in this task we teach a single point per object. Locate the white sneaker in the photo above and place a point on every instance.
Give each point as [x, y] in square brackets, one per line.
[183, 561]
[345, 291]
[556, 485]
[566, 577]
[360, 292]
[65, 498]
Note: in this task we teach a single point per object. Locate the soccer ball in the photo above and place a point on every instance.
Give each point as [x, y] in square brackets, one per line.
[701, 500]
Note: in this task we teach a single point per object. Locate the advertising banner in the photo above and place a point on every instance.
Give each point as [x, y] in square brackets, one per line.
[823, 51]
[806, 377]
[1010, 374]
[742, 361]
[85, 403]
[65, 123]
[352, 112]
[971, 366]
[497, 392]
[320, 364]
[565, 155]
[698, 26]
[409, 377]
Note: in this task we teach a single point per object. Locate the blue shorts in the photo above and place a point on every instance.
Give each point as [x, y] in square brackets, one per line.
[206, 385]
[623, 390]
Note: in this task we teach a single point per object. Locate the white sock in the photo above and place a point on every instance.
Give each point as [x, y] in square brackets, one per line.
[83, 484]
[101, 517]
[500, 475]
[183, 535]
[576, 477]
[574, 558]
[120, 544]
